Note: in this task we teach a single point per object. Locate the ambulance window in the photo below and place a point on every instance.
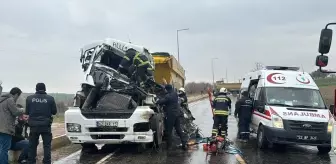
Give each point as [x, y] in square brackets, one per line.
[262, 97]
[252, 91]
[257, 94]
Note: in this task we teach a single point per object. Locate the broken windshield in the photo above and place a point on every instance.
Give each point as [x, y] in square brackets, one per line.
[294, 97]
[106, 56]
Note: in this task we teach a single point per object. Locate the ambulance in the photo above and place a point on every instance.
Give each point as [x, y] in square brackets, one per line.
[288, 108]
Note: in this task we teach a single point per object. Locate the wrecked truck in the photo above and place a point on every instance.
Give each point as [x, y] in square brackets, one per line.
[108, 109]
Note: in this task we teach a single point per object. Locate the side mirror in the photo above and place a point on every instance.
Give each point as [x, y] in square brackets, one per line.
[261, 108]
[325, 41]
[321, 60]
[332, 109]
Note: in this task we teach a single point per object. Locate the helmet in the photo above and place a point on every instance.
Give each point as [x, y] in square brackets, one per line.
[223, 90]
[182, 90]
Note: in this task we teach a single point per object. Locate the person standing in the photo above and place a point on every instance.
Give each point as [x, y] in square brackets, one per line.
[8, 114]
[244, 111]
[221, 105]
[173, 114]
[184, 101]
[40, 108]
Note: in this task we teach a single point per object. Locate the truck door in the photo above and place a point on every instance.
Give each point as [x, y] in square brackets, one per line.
[255, 119]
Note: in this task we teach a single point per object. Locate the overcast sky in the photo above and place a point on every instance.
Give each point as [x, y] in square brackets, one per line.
[40, 39]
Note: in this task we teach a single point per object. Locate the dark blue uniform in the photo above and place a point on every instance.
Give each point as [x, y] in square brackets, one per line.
[137, 67]
[173, 114]
[244, 111]
[184, 104]
[221, 105]
[40, 107]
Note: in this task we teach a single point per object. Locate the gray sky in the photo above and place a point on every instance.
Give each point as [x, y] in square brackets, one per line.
[40, 39]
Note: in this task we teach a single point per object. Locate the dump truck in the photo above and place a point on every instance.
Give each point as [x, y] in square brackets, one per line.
[168, 69]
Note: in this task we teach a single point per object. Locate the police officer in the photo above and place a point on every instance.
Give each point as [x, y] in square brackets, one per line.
[184, 101]
[173, 114]
[244, 112]
[221, 105]
[136, 65]
[40, 107]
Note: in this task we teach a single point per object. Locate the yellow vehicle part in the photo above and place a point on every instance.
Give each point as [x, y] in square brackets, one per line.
[168, 70]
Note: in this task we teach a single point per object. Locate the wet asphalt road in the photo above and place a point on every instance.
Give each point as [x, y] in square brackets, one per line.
[195, 154]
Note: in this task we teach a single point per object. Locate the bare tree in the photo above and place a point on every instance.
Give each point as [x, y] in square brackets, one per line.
[197, 88]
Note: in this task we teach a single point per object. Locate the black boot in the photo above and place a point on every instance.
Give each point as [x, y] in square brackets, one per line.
[184, 146]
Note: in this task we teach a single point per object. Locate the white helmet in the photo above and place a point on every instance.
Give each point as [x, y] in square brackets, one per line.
[182, 90]
[223, 90]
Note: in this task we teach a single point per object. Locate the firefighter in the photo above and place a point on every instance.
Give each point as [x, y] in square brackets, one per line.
[136, 66]
[40, 107]
[244, 112]
[184, 101]
[221, 105]
[173, 114]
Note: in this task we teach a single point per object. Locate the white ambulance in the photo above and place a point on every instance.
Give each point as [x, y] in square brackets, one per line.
[288, 108]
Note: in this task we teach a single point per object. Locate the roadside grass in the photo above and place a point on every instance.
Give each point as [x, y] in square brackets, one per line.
[59, 118]
[327, 88]
[325, 82]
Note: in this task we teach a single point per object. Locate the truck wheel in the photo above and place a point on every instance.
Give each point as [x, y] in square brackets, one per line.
[158, 138]
[157, 127]
[262, 142]
[154, 122]
[324, 149]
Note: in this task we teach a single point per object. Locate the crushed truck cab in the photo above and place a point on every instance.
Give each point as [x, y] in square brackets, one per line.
[288, 108]
[109, 109]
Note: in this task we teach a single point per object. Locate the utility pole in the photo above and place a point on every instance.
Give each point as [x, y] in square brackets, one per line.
[129, 39]
[213, 71]
[178, 44]
[227, 81]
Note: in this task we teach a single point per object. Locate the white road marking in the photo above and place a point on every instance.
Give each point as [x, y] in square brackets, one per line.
[103, 160]
[62, 161]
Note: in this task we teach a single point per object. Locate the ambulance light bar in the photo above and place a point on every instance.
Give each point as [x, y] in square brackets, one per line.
[282, 68]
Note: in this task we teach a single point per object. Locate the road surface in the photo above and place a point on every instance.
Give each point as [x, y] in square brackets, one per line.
[201, 111]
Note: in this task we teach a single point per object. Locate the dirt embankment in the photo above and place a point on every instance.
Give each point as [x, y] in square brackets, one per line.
[328, 93]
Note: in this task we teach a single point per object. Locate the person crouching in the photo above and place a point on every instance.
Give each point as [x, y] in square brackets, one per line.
[19, 142]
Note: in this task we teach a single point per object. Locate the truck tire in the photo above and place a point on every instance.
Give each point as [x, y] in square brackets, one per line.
[324, 149]
[157, 127]
[262, 142]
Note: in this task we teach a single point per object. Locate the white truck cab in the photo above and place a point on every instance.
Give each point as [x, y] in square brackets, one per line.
[116, 120]
[288, 108]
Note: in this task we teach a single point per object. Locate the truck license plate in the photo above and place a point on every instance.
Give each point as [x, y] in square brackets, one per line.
[301, 137]
[107, 123]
